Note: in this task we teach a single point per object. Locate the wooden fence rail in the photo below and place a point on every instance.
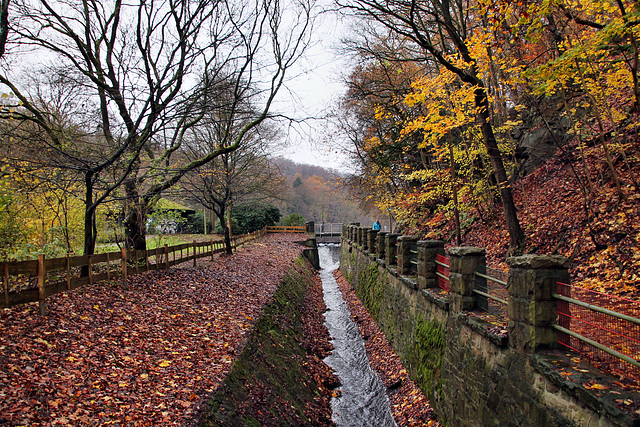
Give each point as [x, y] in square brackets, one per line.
[35, 280]
[286, 229]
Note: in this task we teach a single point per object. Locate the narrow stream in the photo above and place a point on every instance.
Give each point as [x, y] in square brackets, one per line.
[363, 401]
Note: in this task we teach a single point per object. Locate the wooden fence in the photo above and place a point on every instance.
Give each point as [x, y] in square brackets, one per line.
[35, 280]
[286, 229]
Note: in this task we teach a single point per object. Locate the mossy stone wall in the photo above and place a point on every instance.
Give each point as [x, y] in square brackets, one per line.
[470, 377]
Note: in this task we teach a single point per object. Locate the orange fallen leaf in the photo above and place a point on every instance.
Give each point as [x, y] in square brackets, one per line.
[595, 386]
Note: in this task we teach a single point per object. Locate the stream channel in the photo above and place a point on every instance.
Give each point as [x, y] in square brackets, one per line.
[363, 401]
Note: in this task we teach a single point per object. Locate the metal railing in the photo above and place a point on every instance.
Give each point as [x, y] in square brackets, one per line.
[588, 324]
[413, 259]
[442, 271]
[491, 289]
[286, 229]
[332, 228]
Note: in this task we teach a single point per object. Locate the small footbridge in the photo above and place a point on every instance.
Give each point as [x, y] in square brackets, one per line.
[328, 232]
[325, 232]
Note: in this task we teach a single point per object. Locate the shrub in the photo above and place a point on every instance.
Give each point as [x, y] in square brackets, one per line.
[293, 219]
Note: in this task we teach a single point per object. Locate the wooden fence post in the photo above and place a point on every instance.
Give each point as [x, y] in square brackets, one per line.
[68, 269]
[124, 265]
[166, 256]
[212, 250]
[41, 285]
[89, 269]
[108, 268]
[6, 284]
[137, 261]
[195, 252]
[146, 259]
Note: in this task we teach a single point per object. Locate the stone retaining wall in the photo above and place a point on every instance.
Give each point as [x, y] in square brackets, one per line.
[472, 376]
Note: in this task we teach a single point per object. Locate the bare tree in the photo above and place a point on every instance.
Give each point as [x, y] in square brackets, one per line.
[141, 63]
[67, 156]
[245, 174]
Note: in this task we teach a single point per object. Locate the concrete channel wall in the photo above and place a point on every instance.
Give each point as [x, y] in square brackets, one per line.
[473, 377]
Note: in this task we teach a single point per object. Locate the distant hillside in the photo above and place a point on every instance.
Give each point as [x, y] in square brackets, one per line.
[290, 168]
[317, 194]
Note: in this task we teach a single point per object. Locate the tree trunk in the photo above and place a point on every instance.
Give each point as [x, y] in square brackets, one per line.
[228, 218]
[227, 239]
[226, 231]
[212, 218]
[516, 236]
[4, 25]
[89, 216]
[454, 191]
[89, 221]
[135, 231]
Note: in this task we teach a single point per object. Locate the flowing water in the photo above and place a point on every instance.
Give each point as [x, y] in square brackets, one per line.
[363, 401]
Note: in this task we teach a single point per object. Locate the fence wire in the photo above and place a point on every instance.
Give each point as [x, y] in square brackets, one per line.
[600, 324]
[494, 283]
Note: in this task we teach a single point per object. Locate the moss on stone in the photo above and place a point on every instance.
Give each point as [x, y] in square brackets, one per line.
[370, 289]
[426, 355]
[271, 360]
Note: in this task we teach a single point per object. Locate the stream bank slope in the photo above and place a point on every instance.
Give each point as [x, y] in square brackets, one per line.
[279, 378]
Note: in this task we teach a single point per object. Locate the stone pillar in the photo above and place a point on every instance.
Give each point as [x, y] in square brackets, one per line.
[532, 308]
[371, 241]
[406, 244]
[463, 263]
[427, 252]
[312, 253]
[310, 227]
[365, 238]
[382, 244]
[352, 232]
[390, 250]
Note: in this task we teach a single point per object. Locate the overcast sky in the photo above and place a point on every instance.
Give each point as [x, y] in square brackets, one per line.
[313, 91]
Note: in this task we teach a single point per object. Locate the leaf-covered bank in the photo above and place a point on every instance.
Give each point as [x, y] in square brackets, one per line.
[280, 379]
[148, 353]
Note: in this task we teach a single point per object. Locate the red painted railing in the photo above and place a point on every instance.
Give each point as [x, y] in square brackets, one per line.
[442, 271]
